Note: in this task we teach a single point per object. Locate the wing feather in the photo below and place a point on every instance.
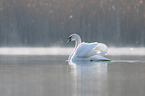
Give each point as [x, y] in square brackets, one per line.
[85, 50]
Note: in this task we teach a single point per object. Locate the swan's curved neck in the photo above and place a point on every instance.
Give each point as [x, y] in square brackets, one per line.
[77, 42]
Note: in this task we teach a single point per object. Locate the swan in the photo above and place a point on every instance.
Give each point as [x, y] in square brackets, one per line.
[87, 51]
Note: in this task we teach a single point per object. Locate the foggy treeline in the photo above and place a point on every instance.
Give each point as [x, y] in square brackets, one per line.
[50, 22]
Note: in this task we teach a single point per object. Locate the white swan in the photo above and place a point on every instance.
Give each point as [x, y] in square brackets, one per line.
[87, 51]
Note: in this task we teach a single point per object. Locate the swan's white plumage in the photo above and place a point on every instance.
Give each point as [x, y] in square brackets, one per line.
[84, 49]
[88, 51]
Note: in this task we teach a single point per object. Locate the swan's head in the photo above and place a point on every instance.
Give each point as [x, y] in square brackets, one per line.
[74, 37]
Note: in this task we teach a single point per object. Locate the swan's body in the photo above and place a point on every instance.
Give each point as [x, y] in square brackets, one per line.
[87, 51]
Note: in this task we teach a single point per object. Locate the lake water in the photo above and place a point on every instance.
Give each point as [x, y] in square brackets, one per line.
[51, 75]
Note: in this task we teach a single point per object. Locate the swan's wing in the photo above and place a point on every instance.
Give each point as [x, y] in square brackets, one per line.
[99, 49]
[85, 50]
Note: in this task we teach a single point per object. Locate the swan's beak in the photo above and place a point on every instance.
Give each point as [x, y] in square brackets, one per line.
[68, 41]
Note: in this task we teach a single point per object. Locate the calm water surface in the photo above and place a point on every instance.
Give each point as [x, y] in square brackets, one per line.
[53, 76]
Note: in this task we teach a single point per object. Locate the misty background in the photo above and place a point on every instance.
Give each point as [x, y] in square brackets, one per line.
[37, 23]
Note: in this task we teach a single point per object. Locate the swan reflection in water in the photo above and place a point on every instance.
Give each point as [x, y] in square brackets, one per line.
[89, 78]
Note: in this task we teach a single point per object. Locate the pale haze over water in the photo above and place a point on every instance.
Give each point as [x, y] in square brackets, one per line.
[66, 50]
